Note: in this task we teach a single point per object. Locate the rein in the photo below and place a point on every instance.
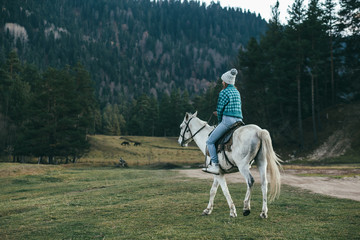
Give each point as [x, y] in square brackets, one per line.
[187, 128]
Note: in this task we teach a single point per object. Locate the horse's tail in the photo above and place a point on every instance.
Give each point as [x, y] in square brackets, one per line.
[273, 161]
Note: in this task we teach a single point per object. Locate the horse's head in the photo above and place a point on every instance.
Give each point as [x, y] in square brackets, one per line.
[185, 132]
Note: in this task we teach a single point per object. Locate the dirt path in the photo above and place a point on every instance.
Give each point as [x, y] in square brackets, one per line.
[348, 188]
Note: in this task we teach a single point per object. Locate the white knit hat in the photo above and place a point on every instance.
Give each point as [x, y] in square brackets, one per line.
[229, 76]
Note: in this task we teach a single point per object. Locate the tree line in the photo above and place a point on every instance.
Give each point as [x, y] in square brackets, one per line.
[299, 69]
[49, 114]
[45, 115]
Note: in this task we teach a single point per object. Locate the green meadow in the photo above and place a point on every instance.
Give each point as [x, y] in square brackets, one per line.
[95, 199]
[115, 203]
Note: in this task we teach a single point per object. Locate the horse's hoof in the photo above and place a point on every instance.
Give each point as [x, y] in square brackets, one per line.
[206, 212]
[246, 212]
[233, 215]
[263, 215]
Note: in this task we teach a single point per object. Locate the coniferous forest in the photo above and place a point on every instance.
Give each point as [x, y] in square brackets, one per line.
[73, 68]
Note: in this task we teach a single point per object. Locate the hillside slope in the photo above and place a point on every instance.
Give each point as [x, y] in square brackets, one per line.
[338, 137]
[108, 150]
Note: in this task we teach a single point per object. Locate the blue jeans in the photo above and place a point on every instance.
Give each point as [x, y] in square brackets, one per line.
[219, 131]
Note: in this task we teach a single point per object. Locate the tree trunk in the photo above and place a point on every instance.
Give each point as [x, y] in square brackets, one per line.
[332, 72]
[280, 102]
[317, 103]
[301, 138]
[313, 108]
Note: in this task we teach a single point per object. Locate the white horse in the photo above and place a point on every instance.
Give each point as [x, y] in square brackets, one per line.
[250, 143]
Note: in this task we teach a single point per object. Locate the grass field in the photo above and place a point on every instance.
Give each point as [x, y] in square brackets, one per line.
[67, 202]
[107, 150]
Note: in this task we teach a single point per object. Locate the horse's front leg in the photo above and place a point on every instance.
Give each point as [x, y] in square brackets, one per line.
[213, 191]
[224, 187]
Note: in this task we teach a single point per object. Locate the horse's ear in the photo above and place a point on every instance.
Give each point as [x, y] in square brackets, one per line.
[187, 116]
[195, 114]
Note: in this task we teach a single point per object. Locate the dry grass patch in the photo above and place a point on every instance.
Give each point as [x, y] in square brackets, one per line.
[19, 169]
[107, 150]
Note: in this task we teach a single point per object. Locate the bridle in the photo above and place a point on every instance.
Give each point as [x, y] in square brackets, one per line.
[187, 129]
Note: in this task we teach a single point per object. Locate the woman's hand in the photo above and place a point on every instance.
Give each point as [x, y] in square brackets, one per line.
[215, 113]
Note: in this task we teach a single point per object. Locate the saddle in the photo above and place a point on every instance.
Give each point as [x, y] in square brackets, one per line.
[225, 142]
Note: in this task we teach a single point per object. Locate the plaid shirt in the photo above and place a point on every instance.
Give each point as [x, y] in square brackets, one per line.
[229, 103]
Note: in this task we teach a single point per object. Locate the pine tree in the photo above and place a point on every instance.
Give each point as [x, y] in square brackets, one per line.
[349, 26]
[111, 125]
[272, 45]
[15, 94]
[165, 115]
[329, 19]
[153, 116]
[295, 31]
[314, 34]
[254, 86]
[85, 98]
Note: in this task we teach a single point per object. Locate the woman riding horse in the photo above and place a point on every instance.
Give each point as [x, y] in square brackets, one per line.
[228, 112]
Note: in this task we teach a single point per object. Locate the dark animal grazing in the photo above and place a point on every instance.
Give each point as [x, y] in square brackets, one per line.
[125, 143]
[137, 144]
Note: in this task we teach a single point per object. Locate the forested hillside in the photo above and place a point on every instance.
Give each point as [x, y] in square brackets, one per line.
[129, 47]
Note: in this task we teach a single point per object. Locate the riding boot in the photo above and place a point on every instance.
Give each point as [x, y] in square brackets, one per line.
[214, 169]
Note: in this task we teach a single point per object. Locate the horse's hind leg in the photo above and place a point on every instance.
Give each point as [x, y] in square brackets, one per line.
[262, 165]
[245, 171]
[213, 191]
